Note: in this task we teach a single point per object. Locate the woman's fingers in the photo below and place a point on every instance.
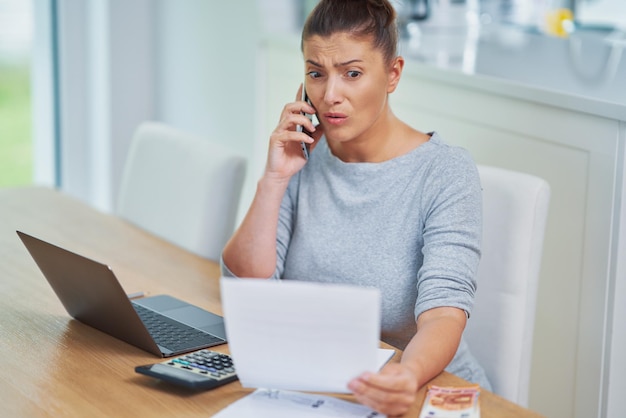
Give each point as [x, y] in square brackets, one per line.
[391, 391]
[285, 148]
[292, 116]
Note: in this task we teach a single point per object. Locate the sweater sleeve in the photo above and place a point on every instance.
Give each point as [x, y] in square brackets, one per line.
[452, 207]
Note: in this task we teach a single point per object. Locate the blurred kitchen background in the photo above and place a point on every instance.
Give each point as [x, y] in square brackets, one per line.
[532, 85]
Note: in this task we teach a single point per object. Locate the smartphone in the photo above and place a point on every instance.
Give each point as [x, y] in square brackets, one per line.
[300, 128]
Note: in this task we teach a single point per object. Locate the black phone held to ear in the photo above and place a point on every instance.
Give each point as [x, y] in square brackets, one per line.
[300, 128]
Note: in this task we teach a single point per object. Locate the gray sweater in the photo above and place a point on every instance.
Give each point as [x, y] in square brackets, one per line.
[410, 226]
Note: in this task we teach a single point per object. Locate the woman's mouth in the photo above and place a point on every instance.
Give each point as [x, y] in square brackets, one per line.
[335, 118]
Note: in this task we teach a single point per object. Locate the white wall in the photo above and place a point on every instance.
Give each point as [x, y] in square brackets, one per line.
[106, 89]
[205, 68]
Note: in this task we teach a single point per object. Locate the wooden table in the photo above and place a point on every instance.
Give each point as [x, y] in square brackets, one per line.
[52, 365]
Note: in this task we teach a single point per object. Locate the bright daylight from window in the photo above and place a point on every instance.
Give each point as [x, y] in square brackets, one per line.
[16, 28]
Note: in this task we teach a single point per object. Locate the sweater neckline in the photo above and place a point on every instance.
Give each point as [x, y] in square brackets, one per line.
[339, 164]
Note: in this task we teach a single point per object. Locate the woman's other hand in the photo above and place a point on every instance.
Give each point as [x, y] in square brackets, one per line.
[391, 391]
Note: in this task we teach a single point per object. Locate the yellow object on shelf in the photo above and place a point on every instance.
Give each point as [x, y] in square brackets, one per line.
[559, 22]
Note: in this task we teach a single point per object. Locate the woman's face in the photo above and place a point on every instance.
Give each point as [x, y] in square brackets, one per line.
[347, 81]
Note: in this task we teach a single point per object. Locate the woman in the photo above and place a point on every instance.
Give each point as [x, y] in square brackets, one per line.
[378, 203]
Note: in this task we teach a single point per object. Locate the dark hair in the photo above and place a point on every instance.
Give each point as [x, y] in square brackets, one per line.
[361, 18]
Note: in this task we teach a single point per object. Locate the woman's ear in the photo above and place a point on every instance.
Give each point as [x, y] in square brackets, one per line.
[395, 71]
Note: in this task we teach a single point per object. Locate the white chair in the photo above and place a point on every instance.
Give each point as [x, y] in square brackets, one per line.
[500, 329]
[182, 188]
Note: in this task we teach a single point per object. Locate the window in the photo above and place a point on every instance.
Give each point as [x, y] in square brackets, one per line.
[16, 145]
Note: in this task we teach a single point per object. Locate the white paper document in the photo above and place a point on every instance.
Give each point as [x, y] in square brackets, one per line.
[264, 403]
[297, 335]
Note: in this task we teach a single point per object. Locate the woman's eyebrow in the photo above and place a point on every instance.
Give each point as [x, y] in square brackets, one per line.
[339, 64]
[346, 63]
[313, 63]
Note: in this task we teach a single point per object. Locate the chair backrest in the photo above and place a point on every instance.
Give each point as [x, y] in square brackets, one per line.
[500, 329]
[182, 188]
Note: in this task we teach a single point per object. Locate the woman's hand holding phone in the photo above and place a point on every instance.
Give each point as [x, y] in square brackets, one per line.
[294, 135]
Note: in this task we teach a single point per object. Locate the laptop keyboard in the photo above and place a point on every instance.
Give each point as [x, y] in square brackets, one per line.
[171, 334]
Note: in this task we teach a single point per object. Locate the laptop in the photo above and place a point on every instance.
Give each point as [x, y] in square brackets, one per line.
[90, 292]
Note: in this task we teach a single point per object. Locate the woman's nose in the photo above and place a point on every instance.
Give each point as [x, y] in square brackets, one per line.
[332, 93]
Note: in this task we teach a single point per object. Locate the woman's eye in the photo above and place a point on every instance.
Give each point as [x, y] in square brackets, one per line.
[313, 74]
[353, 74]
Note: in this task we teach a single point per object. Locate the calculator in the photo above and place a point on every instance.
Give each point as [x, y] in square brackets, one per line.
[204, 369]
